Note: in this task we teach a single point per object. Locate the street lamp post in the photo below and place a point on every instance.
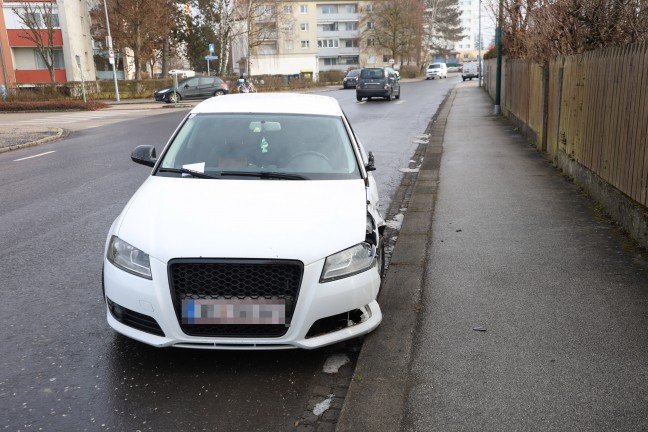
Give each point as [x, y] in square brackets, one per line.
[110, 51]
[497, 109]
[479, 58]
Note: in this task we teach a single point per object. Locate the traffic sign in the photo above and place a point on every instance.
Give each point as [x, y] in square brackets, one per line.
[111, 53]
[211, 48]
[392, 61]
[211, 57]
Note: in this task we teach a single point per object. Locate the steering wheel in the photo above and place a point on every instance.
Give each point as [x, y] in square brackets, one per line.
[307, 153]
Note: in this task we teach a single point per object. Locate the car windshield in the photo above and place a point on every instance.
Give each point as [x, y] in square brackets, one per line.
[434, 66]
[372, 73]
[353, 73]
[266, 146]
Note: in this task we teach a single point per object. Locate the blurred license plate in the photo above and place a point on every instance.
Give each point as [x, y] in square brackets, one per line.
[234, 311]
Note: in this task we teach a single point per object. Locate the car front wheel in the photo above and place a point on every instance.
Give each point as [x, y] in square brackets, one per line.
[173, 98]
[219, 93]
[359, 98]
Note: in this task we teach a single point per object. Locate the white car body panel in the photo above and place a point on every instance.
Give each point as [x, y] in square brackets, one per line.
[244, 219]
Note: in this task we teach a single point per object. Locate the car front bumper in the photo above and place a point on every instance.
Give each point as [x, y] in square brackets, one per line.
[148, 315]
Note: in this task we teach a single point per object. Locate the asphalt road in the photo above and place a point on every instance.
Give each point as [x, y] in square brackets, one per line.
[64, 369]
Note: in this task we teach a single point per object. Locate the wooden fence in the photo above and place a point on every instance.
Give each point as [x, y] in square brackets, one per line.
[593, 107]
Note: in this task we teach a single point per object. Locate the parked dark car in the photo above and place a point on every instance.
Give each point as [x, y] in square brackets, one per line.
[193, 88]
[378, 82]
[351, 78]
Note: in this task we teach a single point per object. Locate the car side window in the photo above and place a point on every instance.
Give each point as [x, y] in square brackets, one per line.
[192, 82]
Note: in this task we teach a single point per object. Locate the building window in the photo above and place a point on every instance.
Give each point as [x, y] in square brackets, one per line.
[305, 44]
[352, 8]
[370, 25]
[328, 43]
[330, 61]
[330, 27]
[370, 7]
[303, 26]
[303, 8]
[350, 26]
[264, 10]
[329, 9]
[289, 44]
[352, 60]
[350, 43]
[287, 9]
[59, 63]
[370, 42]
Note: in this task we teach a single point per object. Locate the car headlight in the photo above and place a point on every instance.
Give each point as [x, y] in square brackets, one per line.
[163, 91]
[128, 258]
[348, 262]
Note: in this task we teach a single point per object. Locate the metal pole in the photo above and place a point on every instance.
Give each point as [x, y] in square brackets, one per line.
[4, 73]
[110, 48]
[497, 109]
[480, 48]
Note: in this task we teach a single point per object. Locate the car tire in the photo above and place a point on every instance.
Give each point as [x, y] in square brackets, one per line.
[219, 93]
[390, 96]
[359, 98]
[398, 95]
[174, 98]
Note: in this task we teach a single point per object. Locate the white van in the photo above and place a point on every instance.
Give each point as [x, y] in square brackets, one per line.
[436, 70]
[470, 70]
[182, 73]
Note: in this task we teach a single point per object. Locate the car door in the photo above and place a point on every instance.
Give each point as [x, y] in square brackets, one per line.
[206, 87]
[394, 82]
[189, 88]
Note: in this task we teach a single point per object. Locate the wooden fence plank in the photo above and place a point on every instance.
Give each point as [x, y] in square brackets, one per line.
[641, 119]
[642, 169]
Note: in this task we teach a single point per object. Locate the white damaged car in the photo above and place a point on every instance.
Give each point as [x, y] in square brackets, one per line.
[258, 228]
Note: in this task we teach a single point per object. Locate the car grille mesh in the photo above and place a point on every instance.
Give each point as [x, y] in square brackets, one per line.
[235, 279]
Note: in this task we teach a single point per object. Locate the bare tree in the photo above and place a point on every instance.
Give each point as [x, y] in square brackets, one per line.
[574, 26]
[262, 20]
[393, 26]
[40, 20]
[441, 24]
[143, 26]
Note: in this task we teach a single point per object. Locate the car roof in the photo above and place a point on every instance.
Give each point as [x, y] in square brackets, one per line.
[290, 103]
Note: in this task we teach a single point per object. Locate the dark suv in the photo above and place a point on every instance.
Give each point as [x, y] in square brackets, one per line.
[193, 88]
[351, 79]
[378, 82]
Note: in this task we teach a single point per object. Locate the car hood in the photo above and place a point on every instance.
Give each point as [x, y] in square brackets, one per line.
[164, 89]
[273, 219]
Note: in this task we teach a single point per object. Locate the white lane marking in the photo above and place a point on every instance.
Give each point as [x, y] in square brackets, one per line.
[35, 156]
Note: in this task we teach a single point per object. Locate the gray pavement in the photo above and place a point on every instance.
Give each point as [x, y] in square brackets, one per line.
[511, 302]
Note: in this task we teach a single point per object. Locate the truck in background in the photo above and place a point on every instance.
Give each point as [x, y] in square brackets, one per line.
[470, 70]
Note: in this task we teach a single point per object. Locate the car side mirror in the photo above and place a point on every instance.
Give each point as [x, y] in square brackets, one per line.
[145, 155]
[371, 166]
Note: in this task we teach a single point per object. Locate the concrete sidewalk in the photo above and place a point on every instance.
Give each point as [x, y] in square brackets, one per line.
[511, 302]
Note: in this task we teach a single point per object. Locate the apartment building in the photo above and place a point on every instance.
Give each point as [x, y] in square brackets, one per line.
[311, 36]
[22, 65]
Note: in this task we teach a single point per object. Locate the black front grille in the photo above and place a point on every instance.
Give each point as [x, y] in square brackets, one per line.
[235, 279]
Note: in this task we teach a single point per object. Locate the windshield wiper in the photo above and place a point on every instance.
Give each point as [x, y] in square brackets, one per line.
[263, 175]
[187, 171]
